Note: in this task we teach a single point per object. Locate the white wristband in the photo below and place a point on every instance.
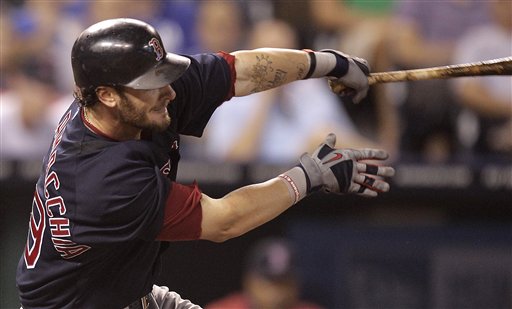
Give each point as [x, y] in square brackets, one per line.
[295, 179]
[320, 64]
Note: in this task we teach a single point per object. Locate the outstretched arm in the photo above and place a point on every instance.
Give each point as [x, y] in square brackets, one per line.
[266, 68]
[328, 169]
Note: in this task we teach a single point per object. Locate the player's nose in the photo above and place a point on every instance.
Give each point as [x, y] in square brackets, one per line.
[168, 92]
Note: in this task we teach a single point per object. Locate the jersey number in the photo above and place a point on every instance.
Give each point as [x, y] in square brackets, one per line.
[35, 232]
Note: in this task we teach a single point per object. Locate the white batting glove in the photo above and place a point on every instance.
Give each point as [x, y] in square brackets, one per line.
[339, 171]
[355, 79]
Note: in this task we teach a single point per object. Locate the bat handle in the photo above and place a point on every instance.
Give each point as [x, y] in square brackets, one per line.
[372, 80]
[339, 88]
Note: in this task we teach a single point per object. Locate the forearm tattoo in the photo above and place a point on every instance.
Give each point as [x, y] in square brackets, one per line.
[301, 71]
[262, 71]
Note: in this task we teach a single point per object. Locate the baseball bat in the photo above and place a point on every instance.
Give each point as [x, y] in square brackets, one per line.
[501, 66]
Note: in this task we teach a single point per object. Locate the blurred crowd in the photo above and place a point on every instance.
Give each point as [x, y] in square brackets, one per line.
[271, 279]
[435, 121]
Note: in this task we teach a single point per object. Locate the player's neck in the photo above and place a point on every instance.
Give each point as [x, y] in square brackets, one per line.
[109, 125]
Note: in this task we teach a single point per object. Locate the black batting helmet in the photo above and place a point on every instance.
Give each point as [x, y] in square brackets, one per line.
[124, 52]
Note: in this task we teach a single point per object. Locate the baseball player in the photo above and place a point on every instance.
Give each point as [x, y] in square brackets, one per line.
[107, 204]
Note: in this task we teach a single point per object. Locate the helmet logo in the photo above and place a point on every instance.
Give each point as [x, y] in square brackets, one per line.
[157, 48]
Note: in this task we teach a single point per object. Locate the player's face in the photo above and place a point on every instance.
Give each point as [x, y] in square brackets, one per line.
[146, 109]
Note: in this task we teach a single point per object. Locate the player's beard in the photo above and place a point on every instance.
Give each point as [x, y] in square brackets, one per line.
[130, 114]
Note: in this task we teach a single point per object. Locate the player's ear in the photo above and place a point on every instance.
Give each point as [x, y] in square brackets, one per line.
[107, 95]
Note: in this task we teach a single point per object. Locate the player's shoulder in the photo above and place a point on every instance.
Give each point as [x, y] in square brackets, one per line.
[204, 65]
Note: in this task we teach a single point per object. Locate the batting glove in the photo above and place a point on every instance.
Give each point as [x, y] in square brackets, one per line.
[339, 171]
[354, 78]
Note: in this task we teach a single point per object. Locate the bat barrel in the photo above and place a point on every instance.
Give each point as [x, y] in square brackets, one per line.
[501, 66]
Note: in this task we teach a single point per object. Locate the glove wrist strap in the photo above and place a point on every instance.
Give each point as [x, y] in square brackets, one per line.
[341, 67]
[295, 179]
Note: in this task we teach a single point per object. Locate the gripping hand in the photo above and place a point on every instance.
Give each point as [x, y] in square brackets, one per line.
[355, 79]
[342, 170]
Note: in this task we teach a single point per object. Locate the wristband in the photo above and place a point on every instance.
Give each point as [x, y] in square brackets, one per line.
[295, 180]
[323, 64]
[341, 67]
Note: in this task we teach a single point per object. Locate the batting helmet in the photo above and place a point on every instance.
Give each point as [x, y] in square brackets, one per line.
[124, 52]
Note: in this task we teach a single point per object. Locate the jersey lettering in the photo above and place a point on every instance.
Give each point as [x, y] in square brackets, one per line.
[55, 201]
[68, 249]
[59, 227]
[51, 160]
[62, 124]
[166, 169]
[52, 177]
[54, 208]
[56, 140]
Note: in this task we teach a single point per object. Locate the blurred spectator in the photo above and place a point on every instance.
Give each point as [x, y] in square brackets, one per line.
[362, 28]
[485, 126]
[333, 19]
[26, 30]
[151, 11]
[182, 16]
[270, 280]
[424, 34]
[27, 112]
[220, 26]
[32, 23]
[298, 15]
[27, 81]
[273, 126]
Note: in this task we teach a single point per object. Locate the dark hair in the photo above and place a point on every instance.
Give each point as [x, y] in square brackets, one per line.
[86, 96]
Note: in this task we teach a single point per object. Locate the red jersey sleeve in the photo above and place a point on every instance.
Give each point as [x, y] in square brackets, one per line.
[230, 59]
[183, 213]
